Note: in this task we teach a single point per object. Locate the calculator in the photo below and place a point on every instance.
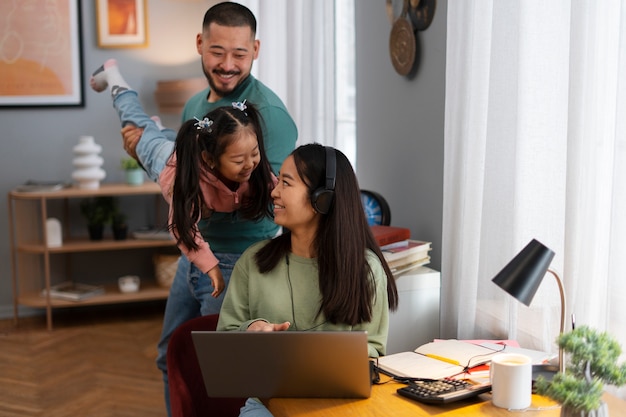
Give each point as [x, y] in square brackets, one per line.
[442, 391]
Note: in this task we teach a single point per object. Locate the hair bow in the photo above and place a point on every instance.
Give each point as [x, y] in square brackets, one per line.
[240, 105]
[203, 124]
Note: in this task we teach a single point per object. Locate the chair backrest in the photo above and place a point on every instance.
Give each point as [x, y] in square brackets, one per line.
[188, 397]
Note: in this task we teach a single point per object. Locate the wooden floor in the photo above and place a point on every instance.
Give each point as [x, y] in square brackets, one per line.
[95, 363]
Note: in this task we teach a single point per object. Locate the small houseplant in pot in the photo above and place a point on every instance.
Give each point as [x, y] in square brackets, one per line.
[119, 225]
[134, 172]
[592, 362]
[97, 211]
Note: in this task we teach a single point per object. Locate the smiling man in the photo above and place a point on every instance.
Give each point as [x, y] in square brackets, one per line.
[227, 55]
[228, 47]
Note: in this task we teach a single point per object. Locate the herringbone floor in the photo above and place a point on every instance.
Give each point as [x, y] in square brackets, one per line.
[95, 363]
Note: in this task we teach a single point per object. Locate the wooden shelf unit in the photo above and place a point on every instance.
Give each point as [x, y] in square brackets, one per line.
[31, 256]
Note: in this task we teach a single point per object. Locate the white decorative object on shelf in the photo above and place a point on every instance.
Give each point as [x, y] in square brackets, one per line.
[88, 163]
[129, 283]
[54, 234]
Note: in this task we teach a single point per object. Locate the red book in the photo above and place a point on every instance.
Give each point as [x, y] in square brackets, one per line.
[385, 235]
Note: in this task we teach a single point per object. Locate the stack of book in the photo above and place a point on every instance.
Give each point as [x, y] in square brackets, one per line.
[38, 186]
[386, 235]
[73, 291]
[402, 253]
[407, 254]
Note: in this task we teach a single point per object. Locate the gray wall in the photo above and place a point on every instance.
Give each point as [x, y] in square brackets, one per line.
[399, 127]
[400, 123]
[37, 143]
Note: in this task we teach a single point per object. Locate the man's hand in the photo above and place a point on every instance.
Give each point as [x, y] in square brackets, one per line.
[130, 136]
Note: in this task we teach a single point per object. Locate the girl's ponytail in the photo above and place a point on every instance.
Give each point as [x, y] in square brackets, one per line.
[186, 194]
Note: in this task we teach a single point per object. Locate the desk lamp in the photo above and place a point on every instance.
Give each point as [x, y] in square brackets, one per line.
[521, 278]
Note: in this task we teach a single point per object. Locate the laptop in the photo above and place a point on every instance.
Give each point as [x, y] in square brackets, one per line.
[298, 364]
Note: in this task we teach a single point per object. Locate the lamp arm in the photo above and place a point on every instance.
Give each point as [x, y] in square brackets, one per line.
[562, 293]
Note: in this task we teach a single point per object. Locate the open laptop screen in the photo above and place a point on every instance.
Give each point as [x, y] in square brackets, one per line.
[322, 364]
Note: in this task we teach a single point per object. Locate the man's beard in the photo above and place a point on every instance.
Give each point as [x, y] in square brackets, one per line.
[214, 88]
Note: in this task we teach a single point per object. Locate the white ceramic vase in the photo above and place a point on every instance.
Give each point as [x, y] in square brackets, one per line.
[88, 163]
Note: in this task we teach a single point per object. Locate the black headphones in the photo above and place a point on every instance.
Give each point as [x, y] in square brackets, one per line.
[322, 198]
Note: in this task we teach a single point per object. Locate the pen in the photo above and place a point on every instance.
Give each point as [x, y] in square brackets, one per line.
[441, 358]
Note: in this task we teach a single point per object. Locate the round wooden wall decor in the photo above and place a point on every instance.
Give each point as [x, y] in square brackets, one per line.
[403, 39]
[402, 46]
[422, 13]
[402, 42]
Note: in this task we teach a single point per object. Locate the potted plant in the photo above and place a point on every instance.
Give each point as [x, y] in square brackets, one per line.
[97, 211]
[134, 171]
[119, 225]
[592, 362]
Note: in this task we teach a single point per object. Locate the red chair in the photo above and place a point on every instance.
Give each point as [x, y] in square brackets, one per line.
[188, 397]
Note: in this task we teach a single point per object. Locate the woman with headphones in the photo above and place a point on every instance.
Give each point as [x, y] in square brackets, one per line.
[325, 272]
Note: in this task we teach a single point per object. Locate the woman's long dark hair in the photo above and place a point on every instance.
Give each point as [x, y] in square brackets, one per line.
[187, 198]
[341, 241]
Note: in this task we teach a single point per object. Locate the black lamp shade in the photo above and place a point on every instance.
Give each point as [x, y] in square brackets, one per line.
[522, 276]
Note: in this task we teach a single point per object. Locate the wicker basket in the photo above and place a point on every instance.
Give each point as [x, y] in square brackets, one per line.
[165, 268]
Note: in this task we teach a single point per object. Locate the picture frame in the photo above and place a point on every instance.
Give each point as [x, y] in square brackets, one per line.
[122, 23]
[42, 61]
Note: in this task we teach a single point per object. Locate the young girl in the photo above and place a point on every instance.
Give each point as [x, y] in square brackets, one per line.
[219, 165]
[325, 273]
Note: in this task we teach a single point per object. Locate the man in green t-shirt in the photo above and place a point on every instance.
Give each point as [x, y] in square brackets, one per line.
[228, 47]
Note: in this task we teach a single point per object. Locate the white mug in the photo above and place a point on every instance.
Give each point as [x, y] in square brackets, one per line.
[511, 380]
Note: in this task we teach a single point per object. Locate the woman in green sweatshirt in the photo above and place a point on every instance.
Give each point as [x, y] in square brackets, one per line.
[325, 272]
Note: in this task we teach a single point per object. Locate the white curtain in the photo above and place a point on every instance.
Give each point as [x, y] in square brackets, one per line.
[535, 147]
[297, 61]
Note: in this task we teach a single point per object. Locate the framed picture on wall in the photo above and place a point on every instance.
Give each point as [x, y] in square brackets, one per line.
[122, 23]
[41, 54]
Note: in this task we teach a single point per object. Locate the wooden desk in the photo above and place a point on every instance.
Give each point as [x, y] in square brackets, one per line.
[386, 402]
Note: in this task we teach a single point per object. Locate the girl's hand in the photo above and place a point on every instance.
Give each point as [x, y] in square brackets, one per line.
[263, 326]
[217, 280]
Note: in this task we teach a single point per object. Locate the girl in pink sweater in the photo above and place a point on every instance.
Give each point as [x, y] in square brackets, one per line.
[218, 165]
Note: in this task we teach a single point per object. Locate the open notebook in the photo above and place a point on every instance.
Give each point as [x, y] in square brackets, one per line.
[437, 360]
[448, 358]
[319, 364]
